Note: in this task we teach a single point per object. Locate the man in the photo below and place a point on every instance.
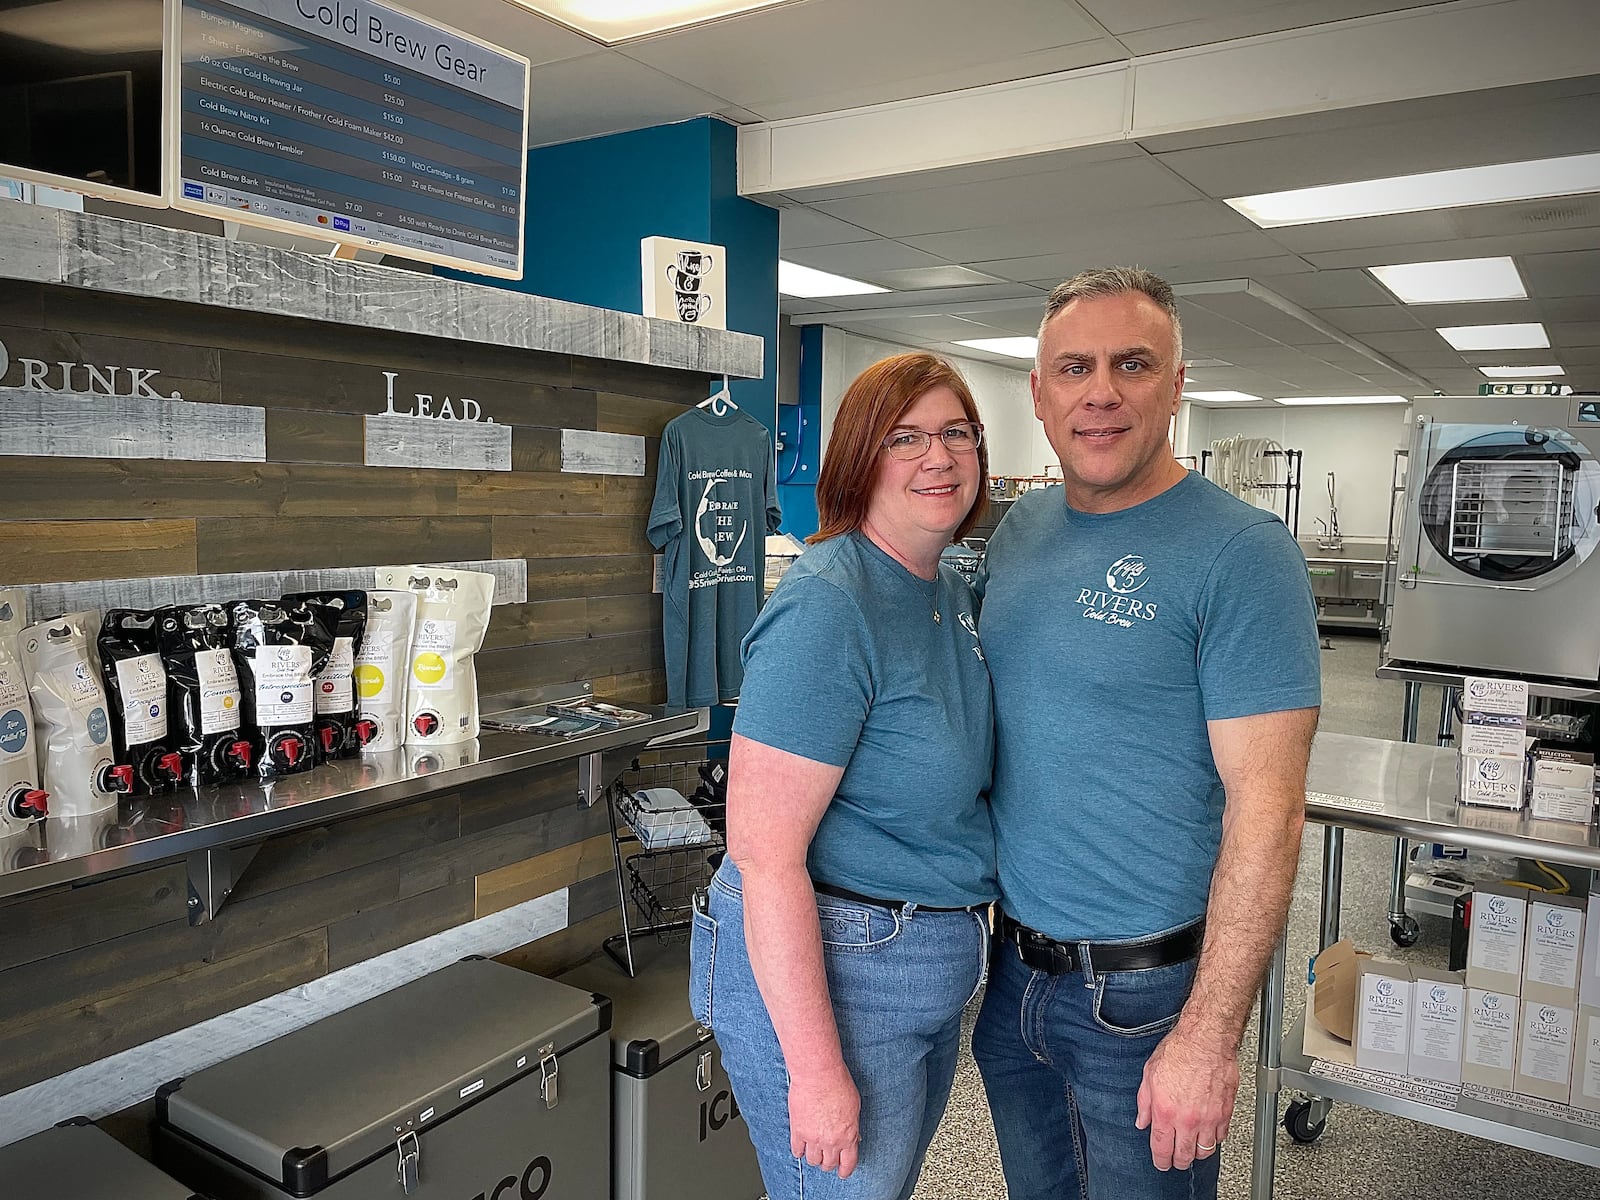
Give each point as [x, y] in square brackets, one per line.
[1156, 680]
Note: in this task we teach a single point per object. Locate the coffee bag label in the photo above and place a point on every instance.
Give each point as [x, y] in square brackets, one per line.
[13, 691]
[143, 683]
[283, 686]
[375, 665]
[81, 684]
[432, 651]
[335, 686]
[219, 691]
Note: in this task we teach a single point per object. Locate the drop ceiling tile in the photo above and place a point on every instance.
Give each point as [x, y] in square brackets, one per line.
[807, 227]
[916, 278]
[1196, 24]
[1158, 234]
[1483, 312]
[1572, 273]
[1273, 268]
[607, 93]
[1377, 232]
[1546, 242]
[859, 260]
[1571, 308]
[538, 39]
[1019, 166]
[1332, 289]
[1574, 333]
[1371, 318]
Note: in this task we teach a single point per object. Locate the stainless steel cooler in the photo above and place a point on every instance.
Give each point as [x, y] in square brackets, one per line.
[676, 1129]
[79, 1161]
[479, 1080]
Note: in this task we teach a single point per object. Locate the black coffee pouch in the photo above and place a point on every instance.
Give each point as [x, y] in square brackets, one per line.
[340, 732]
[206, 709]
[147, 762]
[279, 650]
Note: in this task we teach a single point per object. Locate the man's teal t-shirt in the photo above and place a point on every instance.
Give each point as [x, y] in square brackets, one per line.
[1113, 638]
[847, 666]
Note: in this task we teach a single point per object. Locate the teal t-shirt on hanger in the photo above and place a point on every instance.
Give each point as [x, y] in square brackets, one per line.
[716, 501]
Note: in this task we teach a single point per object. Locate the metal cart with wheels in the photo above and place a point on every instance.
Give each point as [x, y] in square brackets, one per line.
[1407, 791]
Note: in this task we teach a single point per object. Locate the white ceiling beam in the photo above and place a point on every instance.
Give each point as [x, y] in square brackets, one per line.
[1440, 50]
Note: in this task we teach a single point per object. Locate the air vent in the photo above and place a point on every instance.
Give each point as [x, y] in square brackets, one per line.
[1498, 220]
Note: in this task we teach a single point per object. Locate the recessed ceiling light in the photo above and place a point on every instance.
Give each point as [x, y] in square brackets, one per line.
[1014, 347]
[1455, 282]
[1529, 336]
[1342, 400]
[1223, 397]
[1459, 188]
[795, 280]
[1520, 372]
[613, 21]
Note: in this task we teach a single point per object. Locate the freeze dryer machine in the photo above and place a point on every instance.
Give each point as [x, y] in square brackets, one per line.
[1495, 567]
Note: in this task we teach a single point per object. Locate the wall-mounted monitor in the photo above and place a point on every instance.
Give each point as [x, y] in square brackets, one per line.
[354, 121]
[81, 92]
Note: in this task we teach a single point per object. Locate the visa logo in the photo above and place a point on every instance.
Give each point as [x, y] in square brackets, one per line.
[193, 191]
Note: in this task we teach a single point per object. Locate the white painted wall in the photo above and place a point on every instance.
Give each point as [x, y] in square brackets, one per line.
[1356, 442]
[1017, 444]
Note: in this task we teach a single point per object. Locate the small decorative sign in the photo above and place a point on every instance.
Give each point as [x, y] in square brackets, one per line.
[685, 281]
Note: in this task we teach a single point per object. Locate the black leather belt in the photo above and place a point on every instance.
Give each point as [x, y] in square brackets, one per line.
[1044, 953]
[839, 893]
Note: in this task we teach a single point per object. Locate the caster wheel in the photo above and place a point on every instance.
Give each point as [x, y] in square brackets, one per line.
[1297, 1121]
[1405, 931]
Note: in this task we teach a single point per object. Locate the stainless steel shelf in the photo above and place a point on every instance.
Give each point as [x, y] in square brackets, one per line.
[1492, 1122]
[145, 830]
[1555, 689]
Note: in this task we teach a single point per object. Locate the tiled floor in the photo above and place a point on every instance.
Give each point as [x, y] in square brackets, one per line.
[1362, 1154]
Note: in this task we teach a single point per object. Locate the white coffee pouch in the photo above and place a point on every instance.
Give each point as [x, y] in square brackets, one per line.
[381, 666]
[13, 617]
[453, 610]
[22, 800]
[69, 709]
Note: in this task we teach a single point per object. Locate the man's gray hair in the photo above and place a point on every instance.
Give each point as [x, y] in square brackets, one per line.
[1114, 281]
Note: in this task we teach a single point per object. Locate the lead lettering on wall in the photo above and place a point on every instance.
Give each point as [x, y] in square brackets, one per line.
[64, 377]
[434, 408]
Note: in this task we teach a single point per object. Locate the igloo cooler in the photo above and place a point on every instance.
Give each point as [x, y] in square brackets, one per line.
[676, 1129]
[479, 1080]
[79, 1161]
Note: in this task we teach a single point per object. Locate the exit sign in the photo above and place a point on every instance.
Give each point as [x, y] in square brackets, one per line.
[1521, 389]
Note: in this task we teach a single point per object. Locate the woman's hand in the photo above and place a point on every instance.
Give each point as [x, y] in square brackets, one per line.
[824, 1115]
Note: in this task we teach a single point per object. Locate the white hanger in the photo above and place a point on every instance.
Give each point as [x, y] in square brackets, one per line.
[719, 402]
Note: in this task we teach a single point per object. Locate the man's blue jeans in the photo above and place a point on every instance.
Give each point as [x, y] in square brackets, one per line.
[1062, 1057]
[898, 982]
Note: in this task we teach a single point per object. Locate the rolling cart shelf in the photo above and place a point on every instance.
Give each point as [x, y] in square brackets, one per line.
[1493, 1122]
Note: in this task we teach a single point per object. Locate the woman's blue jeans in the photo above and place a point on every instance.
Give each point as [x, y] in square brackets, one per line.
[898, 979]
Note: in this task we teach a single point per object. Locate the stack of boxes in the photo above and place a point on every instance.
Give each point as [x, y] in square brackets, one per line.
[1524, 1017]
[1502, 767]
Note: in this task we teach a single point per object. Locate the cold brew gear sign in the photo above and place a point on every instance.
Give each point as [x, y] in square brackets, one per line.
[685, 281]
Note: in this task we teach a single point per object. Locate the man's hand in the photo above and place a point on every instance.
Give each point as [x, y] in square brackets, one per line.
[1186, 1099]
[824, 1120]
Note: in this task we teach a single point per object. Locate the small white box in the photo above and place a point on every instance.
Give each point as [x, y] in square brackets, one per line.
[1494, 780]
[1383, 1017]
[1503, 697]
[1586, 1061]
[1554, 950]
[1495, 945]
[1589, 983]
[1561, 785]
[1544, 1051]
[684, 281]
[1438, 1024]
[1489, 1051]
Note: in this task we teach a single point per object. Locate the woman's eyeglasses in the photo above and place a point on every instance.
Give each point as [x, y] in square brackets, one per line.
[962, 438]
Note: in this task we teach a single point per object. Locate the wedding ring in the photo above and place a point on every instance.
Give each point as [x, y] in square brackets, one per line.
[1205, 1149]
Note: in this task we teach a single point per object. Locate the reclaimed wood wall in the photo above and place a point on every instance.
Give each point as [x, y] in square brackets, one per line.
[90, 970]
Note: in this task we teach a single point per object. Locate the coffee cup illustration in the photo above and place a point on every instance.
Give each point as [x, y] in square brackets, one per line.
[692, 306]
[694, 262]
[682, 281]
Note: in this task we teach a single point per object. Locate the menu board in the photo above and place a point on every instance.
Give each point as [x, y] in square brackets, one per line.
[355, 121]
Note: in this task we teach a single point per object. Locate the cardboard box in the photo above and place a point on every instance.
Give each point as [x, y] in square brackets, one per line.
[1489, 1048]
[1383, 1017]
[1589, 983]
[1545, 1043]
[1494, 949]
[1438, 1024]
[1336, 980]
[1553, 953]
[1492, 780]
[1586, 1061]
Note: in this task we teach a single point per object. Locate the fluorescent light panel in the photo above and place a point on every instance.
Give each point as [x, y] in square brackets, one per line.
[613, 21]
[1341, 400]
[1520, 372]
[1458, 188]
[808, 282]
[1465, 279]
[1223, 397]
[1529, 336]
[1014, 347]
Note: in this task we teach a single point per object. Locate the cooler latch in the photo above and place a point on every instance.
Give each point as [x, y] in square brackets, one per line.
[702, 1071]
[410, 1150]
[548, 1070]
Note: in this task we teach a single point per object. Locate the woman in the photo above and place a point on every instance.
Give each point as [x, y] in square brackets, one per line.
[846, 929]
